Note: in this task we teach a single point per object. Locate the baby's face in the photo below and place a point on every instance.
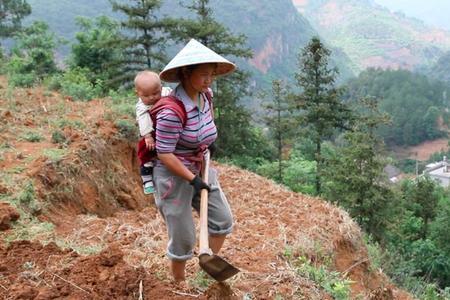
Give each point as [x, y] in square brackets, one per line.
[149, 94]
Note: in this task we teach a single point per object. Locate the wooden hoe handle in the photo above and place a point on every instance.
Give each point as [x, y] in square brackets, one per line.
[204, 243]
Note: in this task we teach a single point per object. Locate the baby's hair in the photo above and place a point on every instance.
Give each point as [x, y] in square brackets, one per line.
[140, 74]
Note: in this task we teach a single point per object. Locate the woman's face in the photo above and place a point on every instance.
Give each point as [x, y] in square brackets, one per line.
[202, 77]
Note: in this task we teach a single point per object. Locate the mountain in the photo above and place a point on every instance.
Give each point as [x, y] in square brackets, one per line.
[373, 36]
[276, 31]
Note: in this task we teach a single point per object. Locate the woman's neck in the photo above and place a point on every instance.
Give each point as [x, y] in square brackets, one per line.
[191, 92]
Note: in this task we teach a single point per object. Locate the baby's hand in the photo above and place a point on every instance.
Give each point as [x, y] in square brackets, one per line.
[149, 142]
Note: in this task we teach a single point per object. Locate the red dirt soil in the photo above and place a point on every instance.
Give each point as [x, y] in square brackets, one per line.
[424, 150]
[90, 212]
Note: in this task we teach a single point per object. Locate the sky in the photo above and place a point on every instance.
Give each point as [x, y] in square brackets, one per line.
[432, 12]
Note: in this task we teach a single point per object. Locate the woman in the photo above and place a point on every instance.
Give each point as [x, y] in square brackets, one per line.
[177, 172]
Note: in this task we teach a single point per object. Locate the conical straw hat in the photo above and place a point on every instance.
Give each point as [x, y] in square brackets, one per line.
[192, 54]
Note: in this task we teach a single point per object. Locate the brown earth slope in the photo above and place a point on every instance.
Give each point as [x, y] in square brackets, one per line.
[86, 231]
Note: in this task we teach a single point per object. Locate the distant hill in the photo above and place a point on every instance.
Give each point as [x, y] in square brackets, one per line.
[276, 31]
[441, 69]
[417, 104]
[373, 36]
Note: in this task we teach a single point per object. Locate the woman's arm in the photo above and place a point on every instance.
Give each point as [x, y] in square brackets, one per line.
[176, 166]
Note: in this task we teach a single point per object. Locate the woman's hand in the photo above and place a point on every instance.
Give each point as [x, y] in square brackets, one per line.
[199, 184]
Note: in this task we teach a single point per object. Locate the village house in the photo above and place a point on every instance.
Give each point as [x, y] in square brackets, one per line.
[439, 171]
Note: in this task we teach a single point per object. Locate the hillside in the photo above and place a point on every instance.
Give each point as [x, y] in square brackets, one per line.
[373, 36]
[276, 31]
[70, 172]
[416, 104]
[440, 70]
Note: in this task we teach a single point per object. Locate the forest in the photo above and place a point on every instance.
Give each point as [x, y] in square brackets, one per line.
[314, 133]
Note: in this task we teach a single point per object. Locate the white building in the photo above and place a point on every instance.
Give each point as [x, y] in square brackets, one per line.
[439, 171]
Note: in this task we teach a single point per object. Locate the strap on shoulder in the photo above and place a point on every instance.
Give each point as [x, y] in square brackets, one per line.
[169, 102]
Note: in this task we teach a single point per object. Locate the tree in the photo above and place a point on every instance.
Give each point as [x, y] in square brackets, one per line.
[209, 32]
[11, 14]
[32, 57]
[422, 198]
[278, 120]
[146, 36]
[321, 109]
[96, 50]
[357, 177]
[237, 136]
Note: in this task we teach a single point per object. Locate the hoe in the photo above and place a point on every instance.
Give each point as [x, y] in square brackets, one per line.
[212, 264]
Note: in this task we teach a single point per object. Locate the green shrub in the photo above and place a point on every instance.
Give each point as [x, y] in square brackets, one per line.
[58, 137]
[75, 83]
[331, 281]
[53, 83]
[127, 129]
[32, 57]
[33, 137]
[63, 123]
[2, 61]
[18, 74]
[54, 155]
[251, 163]
[26, 197]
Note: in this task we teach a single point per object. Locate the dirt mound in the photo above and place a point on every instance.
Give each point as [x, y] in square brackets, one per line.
[32, 271]
[92, 193]
[7, 215]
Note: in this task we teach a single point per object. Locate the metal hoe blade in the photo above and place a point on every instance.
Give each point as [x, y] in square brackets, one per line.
[217, 267]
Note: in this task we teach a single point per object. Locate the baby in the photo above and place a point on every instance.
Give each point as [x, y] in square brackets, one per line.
[148, 88]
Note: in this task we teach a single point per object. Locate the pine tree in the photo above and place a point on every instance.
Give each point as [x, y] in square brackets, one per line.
[232, 119]
[96, 51]
[146, 36]
[356, 177]
[32, 57]
[422, 198]
[278, 120]
[322, 110]
[209, 32]
[11, 14]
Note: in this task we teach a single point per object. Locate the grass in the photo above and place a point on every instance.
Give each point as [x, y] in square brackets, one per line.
[33, 137]
[376, 256]
[81, 249]
[5, 146]
[58, 137]
[16, 170]
[331, 281]
[30, 229]
[55, 155]
[380, 259]
[26, 197]
[63, 123]
[201, 281]
[127, 129]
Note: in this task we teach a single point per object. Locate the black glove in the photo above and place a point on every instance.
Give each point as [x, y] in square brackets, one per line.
[212, 149]
[199, 184]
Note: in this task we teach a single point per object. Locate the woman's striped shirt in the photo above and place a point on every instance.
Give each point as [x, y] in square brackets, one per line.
[199, 129]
